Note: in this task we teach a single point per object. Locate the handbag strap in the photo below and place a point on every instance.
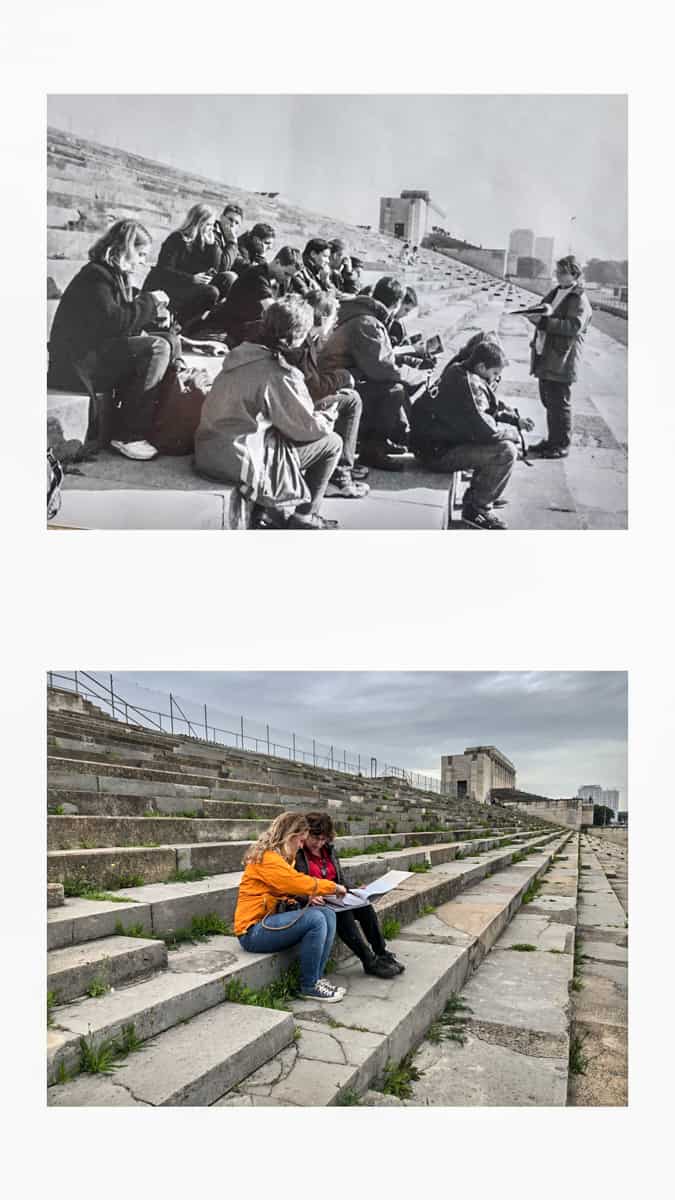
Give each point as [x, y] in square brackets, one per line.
[281, 928]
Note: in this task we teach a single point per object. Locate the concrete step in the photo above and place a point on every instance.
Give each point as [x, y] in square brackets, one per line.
[193, 981]
[348, 1047]
[110, 961]
[63, 765]
[104, 804]
[191, 1064]
[73, 833]
[163, 907]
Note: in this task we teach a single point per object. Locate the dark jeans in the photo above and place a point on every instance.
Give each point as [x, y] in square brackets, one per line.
[383, 412]
[314, 929]
[360, 930]
[133, 367]
[492, 465]
[555, 397]
[318, 460]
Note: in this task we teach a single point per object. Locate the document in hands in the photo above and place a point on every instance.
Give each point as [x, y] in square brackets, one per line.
[353, 899]
[359, 897]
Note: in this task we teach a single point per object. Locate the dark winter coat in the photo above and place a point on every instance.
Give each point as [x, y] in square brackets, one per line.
[246, 298]
[227, 249]
[178, 261]
[360, 343]
[463, 410]
[302, 865]
[564, 331]
[97, 306]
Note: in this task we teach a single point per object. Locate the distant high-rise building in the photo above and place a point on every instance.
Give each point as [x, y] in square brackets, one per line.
[610, 798]
[543, 250]
[521, 243]
[591, 791]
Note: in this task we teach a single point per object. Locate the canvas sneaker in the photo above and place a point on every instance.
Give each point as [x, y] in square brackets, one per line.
[335, 986]
[140, 450]
[322, 991]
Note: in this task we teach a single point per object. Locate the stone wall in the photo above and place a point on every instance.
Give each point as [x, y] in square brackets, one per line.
[569, 813]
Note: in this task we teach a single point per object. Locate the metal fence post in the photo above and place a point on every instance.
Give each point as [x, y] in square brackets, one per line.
[267, 728]
[331, 758]
[206, 727]
[112, 696]
[242, 734]
[76, 684]
[171, 710]
[314, 751]
[293, 736]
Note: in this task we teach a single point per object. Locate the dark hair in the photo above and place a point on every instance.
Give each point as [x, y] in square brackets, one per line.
[571, 265]
[325, 304]
[285, 322]
[337, 244]
[263, 232]
[320, 825]
[388, 291]
[490, 354]
[410, 296]
[465, 352]
[288, 256]
[233, 208]
[315, 246]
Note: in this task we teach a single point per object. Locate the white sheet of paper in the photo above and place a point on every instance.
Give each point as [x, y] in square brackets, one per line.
[379, 887]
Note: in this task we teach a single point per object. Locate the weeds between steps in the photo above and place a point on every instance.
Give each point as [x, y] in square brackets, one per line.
[577, 983]
[524, 946]
[99, 986]
[399, 1078]
[390, 928]
[578, 1060]
[532, 891]
[346, 1097]
[188, 813]
[86, 889]
[419, 868]
[277, 994]
[191, 875]
[102, 1058]
[52, 1001]
[450, 1026]
[199, 930]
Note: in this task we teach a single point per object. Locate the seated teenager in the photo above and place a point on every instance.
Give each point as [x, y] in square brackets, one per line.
[333, 391]
[462, 426]
[398, 334]
[259, 393]
[360, 928]
[270, 878]
[254, 247]
[240, 316]
[314, 274]
[360, 344]
[99, 339]
[186, 267]
[225, 234]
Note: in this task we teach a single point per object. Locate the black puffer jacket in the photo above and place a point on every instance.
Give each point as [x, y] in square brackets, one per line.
[301, 863]
[360, 343]
[461, 410]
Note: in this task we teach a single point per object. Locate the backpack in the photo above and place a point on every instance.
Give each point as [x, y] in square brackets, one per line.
[178, 409]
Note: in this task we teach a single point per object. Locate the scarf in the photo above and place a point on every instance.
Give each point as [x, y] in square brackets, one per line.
[540, 336]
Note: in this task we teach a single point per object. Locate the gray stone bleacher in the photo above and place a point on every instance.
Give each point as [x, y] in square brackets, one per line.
[89, 185]
[199, 1047]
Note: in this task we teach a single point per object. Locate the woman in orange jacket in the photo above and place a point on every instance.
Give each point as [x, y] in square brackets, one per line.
[265, 922]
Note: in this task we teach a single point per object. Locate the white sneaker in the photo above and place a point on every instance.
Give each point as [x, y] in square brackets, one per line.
[322, 991]
[140, 450]
[335, 986]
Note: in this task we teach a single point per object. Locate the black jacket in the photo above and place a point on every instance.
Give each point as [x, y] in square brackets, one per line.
[227, 249]
[360, 343]
[247, 295]
[302, 865]
[462, 410]
[97, 306]
[178, 261]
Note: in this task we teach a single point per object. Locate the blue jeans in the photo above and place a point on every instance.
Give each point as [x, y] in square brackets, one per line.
[314, 930]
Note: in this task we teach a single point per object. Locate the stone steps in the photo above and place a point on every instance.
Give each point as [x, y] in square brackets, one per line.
[193, 981]
[112, 961]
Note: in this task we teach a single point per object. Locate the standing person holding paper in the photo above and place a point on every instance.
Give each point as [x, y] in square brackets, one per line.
[359, 929]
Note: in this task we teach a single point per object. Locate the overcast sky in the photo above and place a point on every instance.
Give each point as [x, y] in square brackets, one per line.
[561, 729]
[493, 163]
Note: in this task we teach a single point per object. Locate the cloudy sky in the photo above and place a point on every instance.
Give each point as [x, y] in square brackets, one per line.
[493, 163]
[560, 729]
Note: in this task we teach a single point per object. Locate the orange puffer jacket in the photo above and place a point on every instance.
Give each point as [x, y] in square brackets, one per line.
[263, 884]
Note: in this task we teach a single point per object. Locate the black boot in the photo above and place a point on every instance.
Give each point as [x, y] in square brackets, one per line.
[380, 967]
[388, 957]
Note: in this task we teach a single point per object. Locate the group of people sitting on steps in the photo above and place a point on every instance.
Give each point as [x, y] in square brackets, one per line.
[288, 873]
[319, 380]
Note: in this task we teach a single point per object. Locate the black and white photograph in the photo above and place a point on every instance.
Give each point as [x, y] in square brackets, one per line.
[356, 312]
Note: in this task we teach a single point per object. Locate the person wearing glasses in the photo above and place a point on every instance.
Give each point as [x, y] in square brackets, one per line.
[359, 928]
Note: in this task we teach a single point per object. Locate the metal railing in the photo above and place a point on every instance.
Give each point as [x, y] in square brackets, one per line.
[179, 717]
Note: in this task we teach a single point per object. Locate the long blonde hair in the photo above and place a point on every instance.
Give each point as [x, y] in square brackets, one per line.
[195, 221]
[115, 243]
[276, 837]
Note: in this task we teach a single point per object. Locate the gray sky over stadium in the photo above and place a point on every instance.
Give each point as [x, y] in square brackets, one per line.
[492, 162]
[561, 729]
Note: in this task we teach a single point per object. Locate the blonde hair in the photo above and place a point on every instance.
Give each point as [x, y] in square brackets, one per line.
[283, 827]
[117, 240]
[195, 221]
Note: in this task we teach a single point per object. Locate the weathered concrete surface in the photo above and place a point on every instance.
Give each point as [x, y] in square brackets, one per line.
[55, 897]
[68, 832]
[112, 960]
[196, 1063]
[91, 1091]
[104, 867]
[480, 1073]
[519, 1000]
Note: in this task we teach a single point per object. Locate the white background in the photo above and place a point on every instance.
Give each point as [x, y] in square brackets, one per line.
[561, 600]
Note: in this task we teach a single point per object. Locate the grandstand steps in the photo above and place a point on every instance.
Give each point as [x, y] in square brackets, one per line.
[193, 983]
[112, 960]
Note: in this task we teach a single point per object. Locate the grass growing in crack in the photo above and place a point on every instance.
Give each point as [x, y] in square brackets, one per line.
[532, 891]
[98, 987]
[199, 930]
[52, 1001]
[522, 946]
[188, 813]
[450, 1025]
[87, 889]
[101, 1058]
[390, 928]
[577, 984]
[399, 1078]
[351, 852]
[277, 994]
[135, 931]
[341, 1025]
[62, 1075]
[346, 1097]
[419, 868]
[57, 811]
[578, 1060]
[427, 910]
[192, 875]
[381, 847]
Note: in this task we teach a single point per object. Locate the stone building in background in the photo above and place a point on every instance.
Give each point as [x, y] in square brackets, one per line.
[476, 772]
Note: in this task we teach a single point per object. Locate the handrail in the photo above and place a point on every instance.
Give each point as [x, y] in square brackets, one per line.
[120, 708]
